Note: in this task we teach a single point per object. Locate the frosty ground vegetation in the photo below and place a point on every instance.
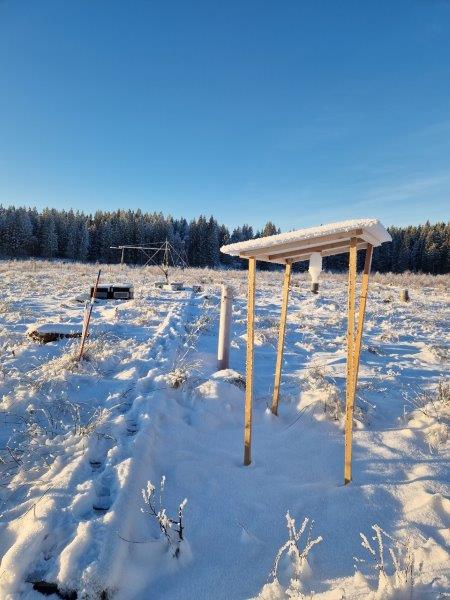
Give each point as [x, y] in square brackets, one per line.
[394, 562]
[431, 411]
[296, 571]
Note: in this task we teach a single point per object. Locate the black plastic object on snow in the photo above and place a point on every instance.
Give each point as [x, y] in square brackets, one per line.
[110, 291]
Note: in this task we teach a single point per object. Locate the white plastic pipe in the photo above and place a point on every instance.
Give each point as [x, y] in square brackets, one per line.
[223, 347]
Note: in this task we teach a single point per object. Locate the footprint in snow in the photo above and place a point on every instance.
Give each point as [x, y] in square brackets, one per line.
[132, 428]
[102, 502]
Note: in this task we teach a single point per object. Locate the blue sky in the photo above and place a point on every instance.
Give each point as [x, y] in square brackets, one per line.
[300, 112]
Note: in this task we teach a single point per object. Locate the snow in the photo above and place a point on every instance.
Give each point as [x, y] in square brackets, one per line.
[148, 403]
[370, 226]
[60, 328]
[118, 284]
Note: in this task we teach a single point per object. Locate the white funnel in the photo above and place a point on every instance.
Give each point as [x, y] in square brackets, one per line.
[315, 268]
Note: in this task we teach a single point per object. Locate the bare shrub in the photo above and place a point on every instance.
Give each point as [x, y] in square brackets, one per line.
[441, 353]
[434, 404]
[389, 332]
[171, 528]
[297, 555]
[183, 365]
[178, 377]
[396, 569]
[318, 380]
[264, 337]
[267, 331]
[37, 434]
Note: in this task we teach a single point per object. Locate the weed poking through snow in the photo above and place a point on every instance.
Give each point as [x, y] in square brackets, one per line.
[172, 529]
[396, 574]
[433, 406]
[297, 568]
[184, 366]
[323, 389]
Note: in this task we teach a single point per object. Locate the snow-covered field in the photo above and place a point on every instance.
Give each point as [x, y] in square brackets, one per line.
[146, 410]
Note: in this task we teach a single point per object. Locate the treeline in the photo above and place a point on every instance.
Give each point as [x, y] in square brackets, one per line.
[25, 232]
[416, 248]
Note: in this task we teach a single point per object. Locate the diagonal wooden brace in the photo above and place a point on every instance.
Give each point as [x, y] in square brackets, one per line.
[354, 340]
[281, 336]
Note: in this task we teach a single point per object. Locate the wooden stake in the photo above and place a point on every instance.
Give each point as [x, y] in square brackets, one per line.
[87, 319]
[349, 399]
[223, 347]
[281, 336]
[249, 362]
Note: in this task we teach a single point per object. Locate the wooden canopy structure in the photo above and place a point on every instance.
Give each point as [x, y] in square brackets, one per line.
[297, 246]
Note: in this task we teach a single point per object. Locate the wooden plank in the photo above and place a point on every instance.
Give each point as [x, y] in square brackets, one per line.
[281, 336]
[317, 248]
[361, 314]
[355, 367]
[306, 256]
[361, 246]
[249, 361]
[300, 244]
[371, 239]
[350, 362]
[356, 359]
[343, 249]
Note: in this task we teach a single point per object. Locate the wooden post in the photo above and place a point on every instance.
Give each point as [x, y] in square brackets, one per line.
[249, 361]
[281, 336]
[223, 348]
[349, 399]
[122, 257]
[404, 296]
[361, 315]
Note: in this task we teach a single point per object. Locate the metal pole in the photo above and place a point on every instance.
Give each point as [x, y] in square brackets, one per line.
[87, 320]
[166, 260]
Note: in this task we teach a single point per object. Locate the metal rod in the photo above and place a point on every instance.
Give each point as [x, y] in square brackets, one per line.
[88, 318]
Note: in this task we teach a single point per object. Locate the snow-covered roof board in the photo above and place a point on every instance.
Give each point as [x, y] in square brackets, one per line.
[298, 245]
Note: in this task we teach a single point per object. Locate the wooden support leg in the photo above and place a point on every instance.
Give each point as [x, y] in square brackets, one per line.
[355, 363]
[349, 398]
[249, 361]
[281, 336]
[361, 315]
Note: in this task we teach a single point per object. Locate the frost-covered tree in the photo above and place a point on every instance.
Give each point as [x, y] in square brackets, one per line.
[17, 232]
[82, 238]
[48, 238]
[269, 229]
[70, 236]
[212, 243]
